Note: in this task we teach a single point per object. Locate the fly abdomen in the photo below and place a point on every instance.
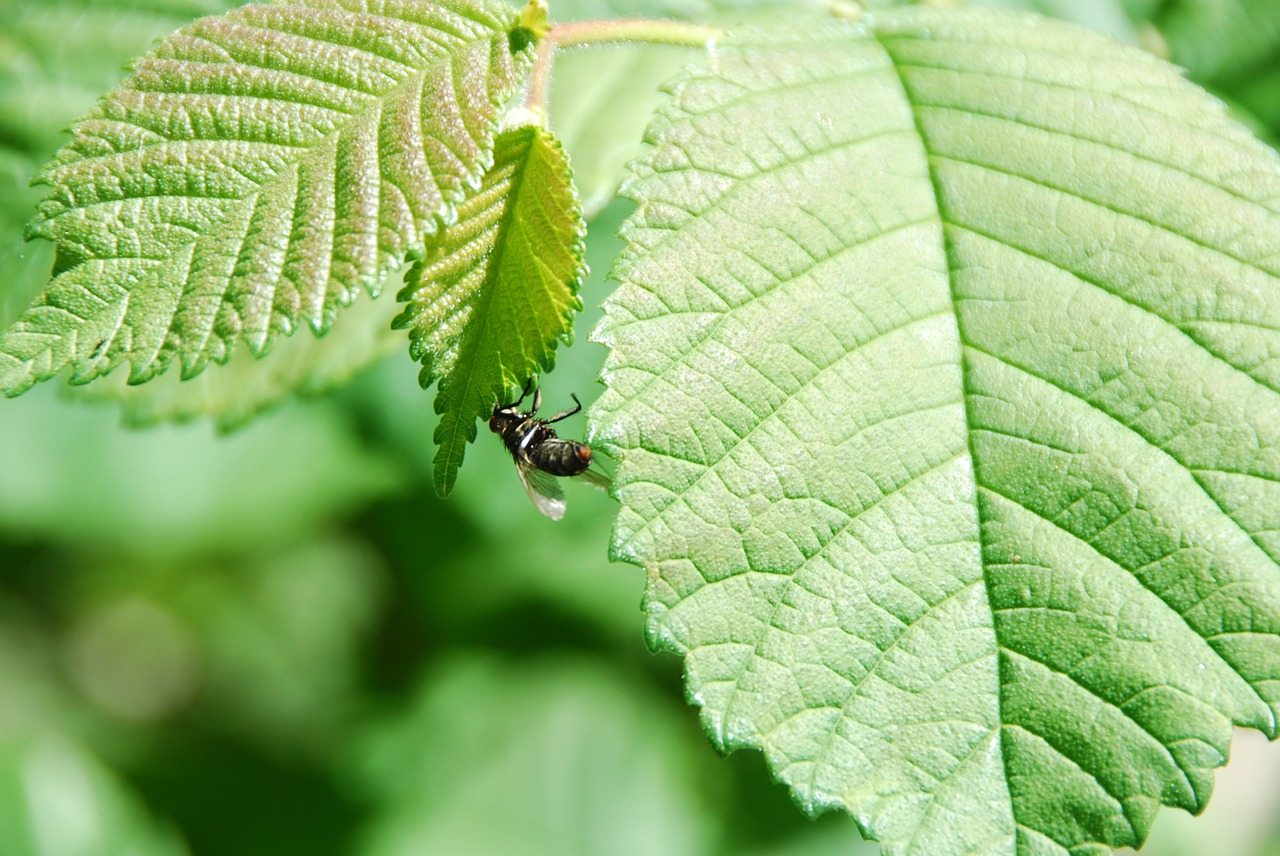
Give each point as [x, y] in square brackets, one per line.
[560, 457]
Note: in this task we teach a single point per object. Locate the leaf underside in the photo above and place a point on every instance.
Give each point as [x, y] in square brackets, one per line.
[234, 394]
[498, 289]
[255, 172]
[944, 377]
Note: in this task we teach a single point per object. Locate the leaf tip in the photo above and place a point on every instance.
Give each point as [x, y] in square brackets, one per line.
[16, 376]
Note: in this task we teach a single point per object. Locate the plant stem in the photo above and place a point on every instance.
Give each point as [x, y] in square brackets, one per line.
[580, 33]
[645, 30]
[540, 78]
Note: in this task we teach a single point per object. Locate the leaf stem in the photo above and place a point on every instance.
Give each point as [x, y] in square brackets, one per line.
[647, 30]
[609, 31]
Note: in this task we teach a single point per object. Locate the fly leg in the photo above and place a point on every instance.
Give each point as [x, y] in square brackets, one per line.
[577, 406]
[527, 386]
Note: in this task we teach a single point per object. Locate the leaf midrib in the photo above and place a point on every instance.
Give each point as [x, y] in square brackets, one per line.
[488, 291]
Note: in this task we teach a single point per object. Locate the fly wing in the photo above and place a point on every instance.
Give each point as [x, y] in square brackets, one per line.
[595, 477]
[543, 488]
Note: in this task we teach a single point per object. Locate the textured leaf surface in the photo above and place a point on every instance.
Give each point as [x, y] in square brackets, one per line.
[255, 172]
[498, 290]
[944, 380]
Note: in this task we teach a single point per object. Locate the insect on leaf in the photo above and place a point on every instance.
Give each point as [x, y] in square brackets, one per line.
[945, 379]
[255, 172]
[489, 302]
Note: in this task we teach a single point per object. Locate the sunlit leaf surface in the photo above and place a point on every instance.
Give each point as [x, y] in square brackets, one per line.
[254, 173]
[945, 381]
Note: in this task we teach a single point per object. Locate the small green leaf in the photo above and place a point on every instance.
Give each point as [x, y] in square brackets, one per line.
[497, 290]
[254, 173]
[946, 386]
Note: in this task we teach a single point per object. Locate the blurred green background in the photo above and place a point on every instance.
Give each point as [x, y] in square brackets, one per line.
[278, 640]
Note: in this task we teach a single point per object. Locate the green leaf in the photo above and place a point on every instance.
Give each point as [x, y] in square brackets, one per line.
[495, 293]
[57, 57]
[256, 171]
[601, 101]
[945, 381]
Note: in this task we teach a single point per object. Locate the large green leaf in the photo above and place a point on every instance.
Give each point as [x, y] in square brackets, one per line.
[499, 288]
[255, 172]
[59, 56]
[944, 382]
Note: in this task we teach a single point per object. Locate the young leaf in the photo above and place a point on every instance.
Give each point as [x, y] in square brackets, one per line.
[945, 378]
[497, 290]
[255, 171]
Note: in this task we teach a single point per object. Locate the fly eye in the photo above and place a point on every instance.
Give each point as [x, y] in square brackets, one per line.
[584, 454]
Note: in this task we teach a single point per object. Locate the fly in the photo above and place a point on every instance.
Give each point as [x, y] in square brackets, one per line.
[540, 455]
